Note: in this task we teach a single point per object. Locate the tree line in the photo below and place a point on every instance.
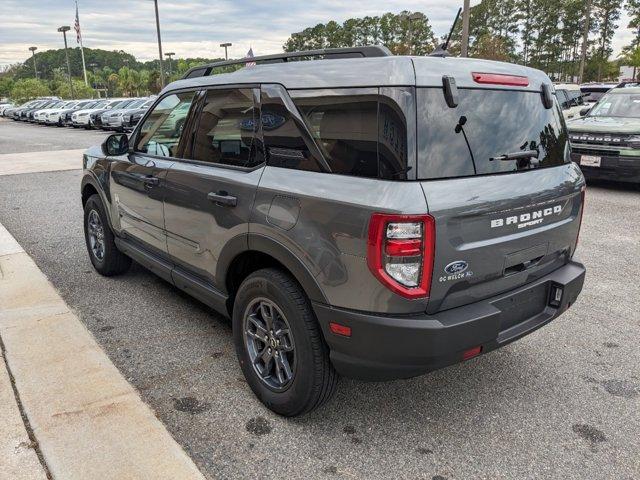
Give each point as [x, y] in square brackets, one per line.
[544, 34]
[109, 73]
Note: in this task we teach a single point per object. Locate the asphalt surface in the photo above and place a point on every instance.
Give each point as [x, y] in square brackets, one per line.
[563, 402]
[20, 137]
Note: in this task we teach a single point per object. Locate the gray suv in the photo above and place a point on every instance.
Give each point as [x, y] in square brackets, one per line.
[365, 215]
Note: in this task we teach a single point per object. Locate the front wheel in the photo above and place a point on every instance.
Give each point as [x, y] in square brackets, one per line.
[280, 346]
[103, 253]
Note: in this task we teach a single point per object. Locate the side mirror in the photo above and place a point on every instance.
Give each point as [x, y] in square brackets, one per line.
[116, 144]
[584, 111]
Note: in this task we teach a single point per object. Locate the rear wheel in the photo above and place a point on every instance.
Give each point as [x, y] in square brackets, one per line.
[280, 346]
[103, 253]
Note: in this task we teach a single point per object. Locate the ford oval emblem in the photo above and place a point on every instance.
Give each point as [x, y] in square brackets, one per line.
[458, 266]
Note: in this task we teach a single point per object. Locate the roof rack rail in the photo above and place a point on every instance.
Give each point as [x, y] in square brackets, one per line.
[325, 53]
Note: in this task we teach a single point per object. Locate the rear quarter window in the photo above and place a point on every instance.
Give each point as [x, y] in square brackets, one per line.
[359, 131]
[461, 141]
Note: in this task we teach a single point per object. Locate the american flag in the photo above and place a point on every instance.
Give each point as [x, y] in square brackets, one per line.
[76, 26]
[250, 55]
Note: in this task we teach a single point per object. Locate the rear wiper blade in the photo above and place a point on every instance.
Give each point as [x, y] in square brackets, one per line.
[526, 154]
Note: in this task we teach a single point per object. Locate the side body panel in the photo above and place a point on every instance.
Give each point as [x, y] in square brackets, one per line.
[323, 220]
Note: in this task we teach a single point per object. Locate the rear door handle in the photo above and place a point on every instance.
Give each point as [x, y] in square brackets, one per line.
[151, 181]
[222, 198]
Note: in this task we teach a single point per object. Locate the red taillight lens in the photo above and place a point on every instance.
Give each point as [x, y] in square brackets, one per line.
[500, 79]
[400, 252]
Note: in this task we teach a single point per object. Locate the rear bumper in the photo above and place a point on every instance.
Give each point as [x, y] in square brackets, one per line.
[387, 348]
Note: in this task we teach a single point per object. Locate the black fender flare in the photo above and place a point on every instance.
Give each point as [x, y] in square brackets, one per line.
[89, 178]
[263, 244]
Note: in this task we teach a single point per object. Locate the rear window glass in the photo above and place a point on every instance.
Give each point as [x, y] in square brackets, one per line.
[462, 141]
[358, 131]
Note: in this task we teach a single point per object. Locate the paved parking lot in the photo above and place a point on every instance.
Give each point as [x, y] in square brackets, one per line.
[562, 403]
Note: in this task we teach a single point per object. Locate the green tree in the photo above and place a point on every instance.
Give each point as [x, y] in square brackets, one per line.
[80, 90]
[28, 89]
[607, 12]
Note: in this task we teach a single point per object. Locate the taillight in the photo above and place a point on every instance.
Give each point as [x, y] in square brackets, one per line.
[400, 252]
[500, 79]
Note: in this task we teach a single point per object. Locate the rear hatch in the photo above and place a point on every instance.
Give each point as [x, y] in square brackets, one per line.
[500, 223]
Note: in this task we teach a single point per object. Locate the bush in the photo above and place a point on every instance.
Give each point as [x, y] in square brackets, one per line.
[80, 90]
[28, 89]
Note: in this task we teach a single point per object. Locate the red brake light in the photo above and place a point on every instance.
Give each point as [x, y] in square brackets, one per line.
[500, 79]
[400, 252]
[472, 352]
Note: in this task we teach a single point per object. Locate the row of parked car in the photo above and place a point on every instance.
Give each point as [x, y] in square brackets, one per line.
[117, 114]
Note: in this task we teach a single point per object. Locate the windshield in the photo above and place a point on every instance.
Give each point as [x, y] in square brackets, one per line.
[624, 105]
[99, 105]
[593, 95]
[136, 104]
[487, 125]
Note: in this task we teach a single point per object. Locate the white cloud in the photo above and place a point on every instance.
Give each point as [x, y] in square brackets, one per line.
[196, 28]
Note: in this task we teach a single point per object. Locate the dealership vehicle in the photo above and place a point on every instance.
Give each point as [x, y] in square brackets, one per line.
[95, 119]
[64, 117]
[112, 119]
[4, 107]
[39, 116]
[81, 119]
[361, 214]
[570, 100]
[592, 92]
[606, 142]
[131, 117]
[18, 113]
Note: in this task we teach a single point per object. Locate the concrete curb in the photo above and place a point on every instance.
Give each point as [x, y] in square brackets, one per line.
[88, 421]
[33, 162]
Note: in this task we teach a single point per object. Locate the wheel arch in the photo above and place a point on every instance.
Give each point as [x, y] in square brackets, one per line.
[243, 256]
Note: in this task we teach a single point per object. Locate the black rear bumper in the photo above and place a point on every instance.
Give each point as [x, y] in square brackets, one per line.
[387, 348]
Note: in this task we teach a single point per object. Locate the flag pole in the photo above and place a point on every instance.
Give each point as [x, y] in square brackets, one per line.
[79, 38]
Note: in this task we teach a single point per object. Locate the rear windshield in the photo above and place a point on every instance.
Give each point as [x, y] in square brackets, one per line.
[462, 141]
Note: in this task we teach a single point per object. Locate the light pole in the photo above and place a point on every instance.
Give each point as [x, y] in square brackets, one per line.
[464, 45]
[33, 53]
[64, 29]
[155, 2]
[411, 18]
[225, 45]
[169, 55]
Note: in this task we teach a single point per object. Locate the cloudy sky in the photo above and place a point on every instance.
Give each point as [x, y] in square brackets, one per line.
[193, 28]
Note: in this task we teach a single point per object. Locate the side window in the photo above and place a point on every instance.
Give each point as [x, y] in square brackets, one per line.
[160, 134]
[227, 127]
[285, 139]
[562, 98]
[359, 131]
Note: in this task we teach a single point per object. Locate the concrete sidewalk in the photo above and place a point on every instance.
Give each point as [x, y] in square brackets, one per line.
[86, 421]
[31, 162]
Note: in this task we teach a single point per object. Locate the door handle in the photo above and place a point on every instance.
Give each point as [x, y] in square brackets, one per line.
[151, 181]
[222, 198]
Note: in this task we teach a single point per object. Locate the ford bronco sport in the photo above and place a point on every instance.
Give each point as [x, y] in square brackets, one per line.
[366, 215]
[606, 142]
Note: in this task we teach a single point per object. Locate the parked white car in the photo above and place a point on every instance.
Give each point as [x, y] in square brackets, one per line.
[40, 116]
[570, 100]
[80, 118]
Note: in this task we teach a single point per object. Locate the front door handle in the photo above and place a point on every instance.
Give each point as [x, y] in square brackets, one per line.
[151, 181]
[222, 198]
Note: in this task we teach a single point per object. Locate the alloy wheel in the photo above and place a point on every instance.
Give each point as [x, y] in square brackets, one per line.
[269, 342]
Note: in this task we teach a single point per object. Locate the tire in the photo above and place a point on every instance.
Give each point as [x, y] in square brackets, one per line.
[313, 380]
[111, 261]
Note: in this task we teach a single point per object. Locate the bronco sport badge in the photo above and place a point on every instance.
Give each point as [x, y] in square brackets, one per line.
[527, 219]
